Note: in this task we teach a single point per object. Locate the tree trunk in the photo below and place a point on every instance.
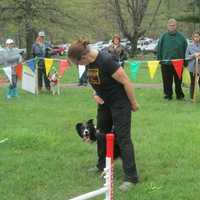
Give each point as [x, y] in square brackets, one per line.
[29, 34]
[133, 40]
[134, 10]
[19, 38]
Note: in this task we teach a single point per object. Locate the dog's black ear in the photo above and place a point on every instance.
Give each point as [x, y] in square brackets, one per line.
[78, 129]
[92, 132]
[90, 121]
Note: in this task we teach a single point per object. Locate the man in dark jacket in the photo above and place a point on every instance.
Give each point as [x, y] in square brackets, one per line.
[41, 50]
[171, 45]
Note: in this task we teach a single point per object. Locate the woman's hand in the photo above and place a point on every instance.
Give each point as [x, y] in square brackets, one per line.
[98, 99]
[134, 106]
[196, 55]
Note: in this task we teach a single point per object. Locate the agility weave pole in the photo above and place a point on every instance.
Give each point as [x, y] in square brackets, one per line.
[107, 189]
[4, 140]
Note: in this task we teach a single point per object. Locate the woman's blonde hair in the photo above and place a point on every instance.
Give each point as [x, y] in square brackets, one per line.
[195, 33]
[78, 49]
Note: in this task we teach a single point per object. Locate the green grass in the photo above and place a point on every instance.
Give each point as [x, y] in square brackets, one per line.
[44, 159]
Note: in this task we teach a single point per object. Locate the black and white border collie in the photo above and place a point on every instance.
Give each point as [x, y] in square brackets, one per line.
[88, 132]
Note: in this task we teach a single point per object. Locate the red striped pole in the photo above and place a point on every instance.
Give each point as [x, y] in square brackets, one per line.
[108, 170]
[109, 164]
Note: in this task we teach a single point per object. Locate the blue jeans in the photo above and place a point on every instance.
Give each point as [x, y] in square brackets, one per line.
[13, 83]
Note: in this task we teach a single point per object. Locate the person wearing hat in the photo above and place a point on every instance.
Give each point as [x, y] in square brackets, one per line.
[12, 57]
[41, 50]
[117, 50]
[41, 34]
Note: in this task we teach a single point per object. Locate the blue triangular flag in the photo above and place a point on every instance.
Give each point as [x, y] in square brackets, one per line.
[31, 64]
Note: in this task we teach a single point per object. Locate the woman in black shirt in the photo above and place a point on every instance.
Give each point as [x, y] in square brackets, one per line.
[115, 98]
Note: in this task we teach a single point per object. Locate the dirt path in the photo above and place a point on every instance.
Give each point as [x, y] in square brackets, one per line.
[75, 85]
[136, 85]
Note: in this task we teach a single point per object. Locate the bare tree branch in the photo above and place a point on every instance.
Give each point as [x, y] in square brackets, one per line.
[155, 13]
[129, 17]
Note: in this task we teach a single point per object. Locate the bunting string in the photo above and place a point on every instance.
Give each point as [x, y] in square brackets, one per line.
[134, 65]
[141, 61]
[57, 59]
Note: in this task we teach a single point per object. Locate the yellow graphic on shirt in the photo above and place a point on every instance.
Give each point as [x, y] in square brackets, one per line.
[93, 76]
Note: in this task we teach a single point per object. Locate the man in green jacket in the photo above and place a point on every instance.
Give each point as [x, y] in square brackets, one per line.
[171, 45]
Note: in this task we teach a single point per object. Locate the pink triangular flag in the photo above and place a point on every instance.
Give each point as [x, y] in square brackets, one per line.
[63, 65]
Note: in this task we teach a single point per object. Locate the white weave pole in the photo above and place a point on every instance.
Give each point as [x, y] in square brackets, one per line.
[108, 171]
[4, 140]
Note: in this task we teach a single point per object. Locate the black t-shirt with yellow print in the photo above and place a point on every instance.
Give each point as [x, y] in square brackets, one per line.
[100, 77]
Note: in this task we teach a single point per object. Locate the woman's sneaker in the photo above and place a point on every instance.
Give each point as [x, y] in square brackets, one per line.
[9, 94]
[126, 185]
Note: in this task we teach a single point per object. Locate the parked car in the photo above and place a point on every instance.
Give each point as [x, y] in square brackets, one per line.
[147, 44]
[99, 45]
[58, 50]
[126, 44]
[143, 43]
[152, 46]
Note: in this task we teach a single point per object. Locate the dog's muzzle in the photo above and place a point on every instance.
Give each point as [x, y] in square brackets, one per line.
[86, 133]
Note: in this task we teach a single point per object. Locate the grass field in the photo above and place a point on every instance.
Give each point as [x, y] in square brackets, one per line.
[44, 159]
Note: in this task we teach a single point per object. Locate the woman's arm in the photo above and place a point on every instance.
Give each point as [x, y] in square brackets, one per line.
[122, 77]
[189, 55]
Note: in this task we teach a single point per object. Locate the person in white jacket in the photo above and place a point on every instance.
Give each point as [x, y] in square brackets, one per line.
[11, 57]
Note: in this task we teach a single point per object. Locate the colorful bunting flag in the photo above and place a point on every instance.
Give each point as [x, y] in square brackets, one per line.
[134, 68]
[27, 69]
[19, 71]
[152, 65]
[63, 65]
[31, 63]
[48, 64]
[178, 66]
[186, 77]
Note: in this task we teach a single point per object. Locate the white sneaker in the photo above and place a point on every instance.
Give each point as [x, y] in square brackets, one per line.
[126, 185]
[8, 97]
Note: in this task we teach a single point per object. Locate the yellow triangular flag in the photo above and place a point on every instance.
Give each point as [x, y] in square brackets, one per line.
[152, 65]
[48, 64]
